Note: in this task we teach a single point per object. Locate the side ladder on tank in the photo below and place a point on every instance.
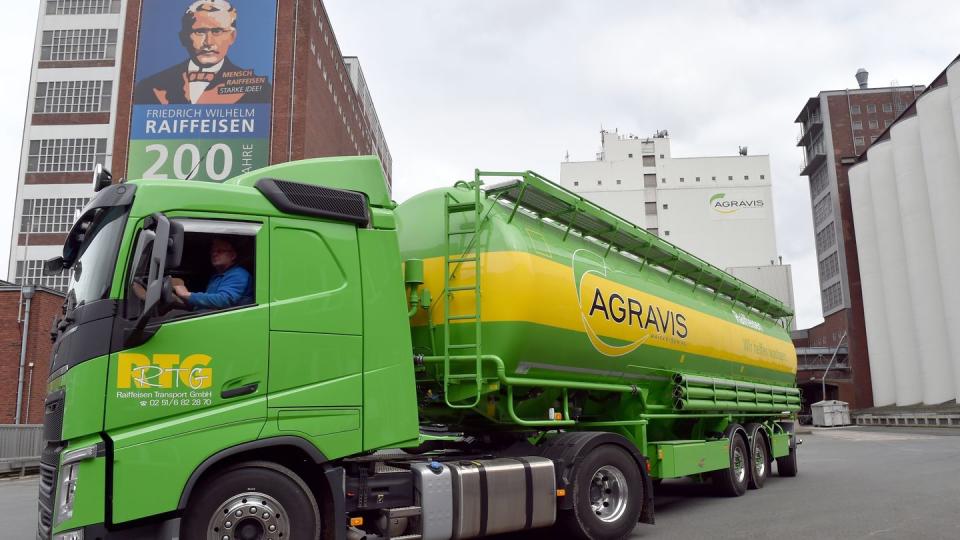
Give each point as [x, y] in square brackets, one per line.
[454, 260]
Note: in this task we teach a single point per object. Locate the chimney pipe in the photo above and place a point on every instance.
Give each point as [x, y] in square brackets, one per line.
[862, 75]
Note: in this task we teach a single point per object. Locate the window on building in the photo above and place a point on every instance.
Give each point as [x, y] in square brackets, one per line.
[73, 97]
[871, 108]
[82, 7]
[730, 178]
[829, 267]
[629, 155]
[874, 124]
[831, 297]
[714, 178]
[854, 109]
[873, 139]
[576, 183]
[599, 182]
[698, 179]
[822, 210]
[654, 231]
[887, 107]
[681, 179]
[650, 180]
[819, 181]
[886, 123]
[826, 238]
[650, 208]
[761, 177]
[857, 124]
[666, 206]
[666, 233]
[661, 156]
[858, 141]
[663, 180]
[30, 272]
[649, 161]
[50, 215]
[618, 182]
[81, 44]
[65, 155]
[746, 177]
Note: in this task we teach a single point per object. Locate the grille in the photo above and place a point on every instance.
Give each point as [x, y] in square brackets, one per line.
[48, 489]
[318, 201]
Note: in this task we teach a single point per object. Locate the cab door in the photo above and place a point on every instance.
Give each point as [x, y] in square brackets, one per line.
[198, 384]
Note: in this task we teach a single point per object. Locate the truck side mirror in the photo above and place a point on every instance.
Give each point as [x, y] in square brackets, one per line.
[157, 229]
[101, 177]
[53, 266]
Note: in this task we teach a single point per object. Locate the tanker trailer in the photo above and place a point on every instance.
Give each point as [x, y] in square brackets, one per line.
[542, 312]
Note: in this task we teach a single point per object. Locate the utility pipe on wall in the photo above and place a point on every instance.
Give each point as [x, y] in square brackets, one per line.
[27, 293]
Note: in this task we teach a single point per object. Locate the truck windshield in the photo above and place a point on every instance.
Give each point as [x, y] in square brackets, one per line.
[92, 272]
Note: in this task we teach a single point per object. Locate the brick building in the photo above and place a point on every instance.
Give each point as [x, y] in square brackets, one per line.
[45, 304]
[81, 105]
[836, 127]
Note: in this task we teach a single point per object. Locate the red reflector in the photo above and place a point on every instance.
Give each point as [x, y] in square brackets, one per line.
[648, 467]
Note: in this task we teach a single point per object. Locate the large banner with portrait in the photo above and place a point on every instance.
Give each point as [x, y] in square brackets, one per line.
[202, 94]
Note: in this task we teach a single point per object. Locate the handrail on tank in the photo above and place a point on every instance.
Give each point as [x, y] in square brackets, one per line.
[677, 261]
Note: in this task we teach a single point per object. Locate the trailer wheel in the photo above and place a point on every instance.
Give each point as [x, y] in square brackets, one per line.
[607, 495]
[760, 456]
[732, 481]
[254, 500]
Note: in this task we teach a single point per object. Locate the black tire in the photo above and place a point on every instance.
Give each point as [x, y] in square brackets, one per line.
[266, 495]
[787, 465]
[732, 481]
[620, 496]
[759, 456]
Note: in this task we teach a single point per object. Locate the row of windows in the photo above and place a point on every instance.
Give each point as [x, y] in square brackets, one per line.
[822, 210]
[831, 297]
[829, 267]
[50, 215]
[82, 7]
[874, 124]
[82, 44]
[73, 97]
[65, 155]
[819, 182]
[30, 272]
[859, 141]
[826, 238]
[871, 108]
[650, 180]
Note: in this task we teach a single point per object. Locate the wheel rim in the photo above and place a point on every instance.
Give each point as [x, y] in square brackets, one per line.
[608, 493]
[249, 516]
[759, 462]
[739, 465]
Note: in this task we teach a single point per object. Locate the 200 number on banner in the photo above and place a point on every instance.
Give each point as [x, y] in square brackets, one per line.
[213, 161]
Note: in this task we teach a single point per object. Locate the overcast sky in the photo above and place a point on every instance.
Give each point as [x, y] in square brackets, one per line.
[515, 84]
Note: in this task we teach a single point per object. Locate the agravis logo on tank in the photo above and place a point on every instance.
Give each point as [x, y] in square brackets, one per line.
[607, 309]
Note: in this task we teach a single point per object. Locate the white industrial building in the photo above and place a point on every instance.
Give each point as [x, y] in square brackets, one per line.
[718, 208]
[904, 191]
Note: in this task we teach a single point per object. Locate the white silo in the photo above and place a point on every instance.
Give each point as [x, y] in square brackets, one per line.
[923, 273]
[939, 121]
[903, 343]
[871, 284]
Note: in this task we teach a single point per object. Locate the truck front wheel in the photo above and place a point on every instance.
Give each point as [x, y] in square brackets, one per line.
[607, 495]
[254, 500]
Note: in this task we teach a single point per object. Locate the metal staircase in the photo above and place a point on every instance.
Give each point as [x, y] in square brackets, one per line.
[454, 260]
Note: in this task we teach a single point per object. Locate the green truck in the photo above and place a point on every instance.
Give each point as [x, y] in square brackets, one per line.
[497, 356]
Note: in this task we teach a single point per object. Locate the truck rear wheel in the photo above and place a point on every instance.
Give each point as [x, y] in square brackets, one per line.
[252, 501]
[607, 495]
[759, 456]
[732, 481]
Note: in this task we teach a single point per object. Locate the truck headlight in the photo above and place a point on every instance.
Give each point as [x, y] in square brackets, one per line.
[66, 492]
[69, 535]
[69, 471]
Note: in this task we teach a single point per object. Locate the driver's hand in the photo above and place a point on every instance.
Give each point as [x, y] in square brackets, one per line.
[181, 291]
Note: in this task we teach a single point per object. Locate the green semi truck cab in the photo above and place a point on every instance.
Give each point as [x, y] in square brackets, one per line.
[420, 372]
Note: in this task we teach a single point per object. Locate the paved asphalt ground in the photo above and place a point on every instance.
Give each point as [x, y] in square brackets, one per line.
[876, 483]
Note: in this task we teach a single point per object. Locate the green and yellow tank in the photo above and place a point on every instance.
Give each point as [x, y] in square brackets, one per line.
[557, 302]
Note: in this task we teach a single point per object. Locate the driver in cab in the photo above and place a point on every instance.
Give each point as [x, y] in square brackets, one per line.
[231, 285]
